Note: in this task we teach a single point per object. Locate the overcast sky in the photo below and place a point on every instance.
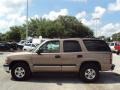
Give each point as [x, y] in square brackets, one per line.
[13, 12]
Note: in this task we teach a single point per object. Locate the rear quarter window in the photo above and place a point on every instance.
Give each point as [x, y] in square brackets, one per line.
[96, 45]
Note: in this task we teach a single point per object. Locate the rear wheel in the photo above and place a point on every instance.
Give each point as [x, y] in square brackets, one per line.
[20, 72]
[89, 73]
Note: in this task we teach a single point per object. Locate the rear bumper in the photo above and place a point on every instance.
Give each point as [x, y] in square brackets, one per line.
[112, 67]
[6, 68]
[107, 67]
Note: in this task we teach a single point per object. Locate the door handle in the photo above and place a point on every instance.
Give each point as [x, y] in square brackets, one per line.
[79, 56]
[57, 56]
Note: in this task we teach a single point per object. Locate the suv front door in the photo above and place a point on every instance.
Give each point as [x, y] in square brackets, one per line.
[49, 58]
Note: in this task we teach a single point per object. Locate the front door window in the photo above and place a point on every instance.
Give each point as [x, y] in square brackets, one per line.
[51, 47]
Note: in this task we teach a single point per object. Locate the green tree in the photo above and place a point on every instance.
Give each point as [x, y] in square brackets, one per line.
[0, 36]
[116, 37]
[14, 34]
[73, 28]
[62, 27]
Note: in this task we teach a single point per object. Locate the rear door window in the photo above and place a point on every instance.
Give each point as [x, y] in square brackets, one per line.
[71, 46]
[96, 45]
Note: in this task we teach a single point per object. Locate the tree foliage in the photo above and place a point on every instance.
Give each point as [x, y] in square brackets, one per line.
[116, 37]
[62, 27]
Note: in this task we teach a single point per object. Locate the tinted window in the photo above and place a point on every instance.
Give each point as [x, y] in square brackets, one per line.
[96, 45]
[112, 44]
[27, 44]
[71, 46]
[33, 45]
[22, 42]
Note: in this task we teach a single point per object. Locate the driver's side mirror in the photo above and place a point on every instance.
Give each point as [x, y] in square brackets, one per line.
[40, 51]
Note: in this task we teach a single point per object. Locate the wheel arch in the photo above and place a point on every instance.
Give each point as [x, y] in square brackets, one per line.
[18, 61]
[91, 62]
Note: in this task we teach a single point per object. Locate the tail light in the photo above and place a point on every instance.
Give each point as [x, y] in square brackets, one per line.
[116, 47]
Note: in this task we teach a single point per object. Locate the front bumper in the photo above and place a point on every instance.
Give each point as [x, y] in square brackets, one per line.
[6, 68]
[112, 67]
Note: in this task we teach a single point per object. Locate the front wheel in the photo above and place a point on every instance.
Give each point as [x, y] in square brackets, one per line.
[20, 72]
[89, 73]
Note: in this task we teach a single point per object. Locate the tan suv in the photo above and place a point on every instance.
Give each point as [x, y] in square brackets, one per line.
[85, 56]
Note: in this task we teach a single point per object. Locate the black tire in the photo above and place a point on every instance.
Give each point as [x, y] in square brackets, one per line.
[25, 68]
[84, 69]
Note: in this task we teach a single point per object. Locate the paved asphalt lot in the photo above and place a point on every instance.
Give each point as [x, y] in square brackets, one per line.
[108, 80]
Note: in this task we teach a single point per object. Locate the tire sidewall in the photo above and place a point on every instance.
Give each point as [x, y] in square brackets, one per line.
[82, 73]
[27, 72]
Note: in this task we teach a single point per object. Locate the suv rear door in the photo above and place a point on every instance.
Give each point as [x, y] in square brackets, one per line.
[71, 55]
